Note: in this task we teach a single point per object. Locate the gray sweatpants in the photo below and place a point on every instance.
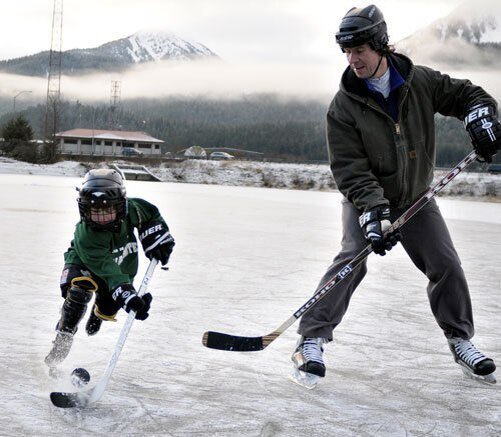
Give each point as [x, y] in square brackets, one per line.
[427, 241]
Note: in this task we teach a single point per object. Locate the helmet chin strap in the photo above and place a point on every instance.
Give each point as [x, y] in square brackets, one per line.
[377, 68]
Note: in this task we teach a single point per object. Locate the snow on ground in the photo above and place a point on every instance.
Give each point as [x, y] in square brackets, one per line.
[258, 174]
[246, 258]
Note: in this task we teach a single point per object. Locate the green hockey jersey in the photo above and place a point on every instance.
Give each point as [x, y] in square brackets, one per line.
[112, 256]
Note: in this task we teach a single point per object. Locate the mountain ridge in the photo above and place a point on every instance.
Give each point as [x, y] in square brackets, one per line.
[141, 47]
[468, 38]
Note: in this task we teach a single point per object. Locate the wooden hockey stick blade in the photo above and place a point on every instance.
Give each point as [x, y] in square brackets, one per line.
[227, 342]
[235, 343]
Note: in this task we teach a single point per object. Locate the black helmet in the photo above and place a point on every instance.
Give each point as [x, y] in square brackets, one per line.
[101, 200]
[363, 26]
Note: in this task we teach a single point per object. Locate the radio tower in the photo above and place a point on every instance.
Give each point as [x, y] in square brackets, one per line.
[52, 109]
[115, 103]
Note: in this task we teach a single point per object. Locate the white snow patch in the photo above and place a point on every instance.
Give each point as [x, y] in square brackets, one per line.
[316, 177]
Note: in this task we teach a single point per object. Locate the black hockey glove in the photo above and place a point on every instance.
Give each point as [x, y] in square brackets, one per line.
[157, 241]
[126, 296]
[374, 223]
[484, 129]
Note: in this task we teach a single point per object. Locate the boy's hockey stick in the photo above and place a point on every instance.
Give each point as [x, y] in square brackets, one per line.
[227, 342]
[84, 398]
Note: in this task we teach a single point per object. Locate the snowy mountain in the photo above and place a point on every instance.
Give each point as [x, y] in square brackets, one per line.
[118, 55]
[147, 46]
[468, 38]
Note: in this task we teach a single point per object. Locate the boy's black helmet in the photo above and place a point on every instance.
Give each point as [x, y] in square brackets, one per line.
[102, 199]
[363, 26]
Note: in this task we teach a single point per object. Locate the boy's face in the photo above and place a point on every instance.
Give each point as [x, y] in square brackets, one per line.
[103, 216]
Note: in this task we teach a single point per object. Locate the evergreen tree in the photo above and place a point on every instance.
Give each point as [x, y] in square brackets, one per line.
[18, 129]
[17, 134]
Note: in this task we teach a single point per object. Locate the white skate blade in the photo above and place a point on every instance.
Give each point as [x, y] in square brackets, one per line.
[487, 379]
[304, 379]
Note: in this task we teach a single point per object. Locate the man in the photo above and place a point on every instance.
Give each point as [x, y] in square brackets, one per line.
[103, 257]
[380, 130]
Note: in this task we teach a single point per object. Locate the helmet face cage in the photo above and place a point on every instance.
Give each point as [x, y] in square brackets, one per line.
[363, 26]
[102, 201]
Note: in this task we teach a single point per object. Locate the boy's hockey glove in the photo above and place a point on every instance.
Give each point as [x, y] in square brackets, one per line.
[126, 296]
[157, 241]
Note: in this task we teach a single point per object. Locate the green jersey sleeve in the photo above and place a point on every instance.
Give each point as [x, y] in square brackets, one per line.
[142, 212]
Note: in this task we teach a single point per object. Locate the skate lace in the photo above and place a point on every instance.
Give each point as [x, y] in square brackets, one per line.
[312, 349]
[468, 352]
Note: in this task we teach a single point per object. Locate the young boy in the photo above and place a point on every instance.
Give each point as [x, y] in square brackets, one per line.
[103, 257]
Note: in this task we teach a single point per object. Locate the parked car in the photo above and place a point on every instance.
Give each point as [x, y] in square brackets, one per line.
[494, 168]
[130, 151]
[221, 155]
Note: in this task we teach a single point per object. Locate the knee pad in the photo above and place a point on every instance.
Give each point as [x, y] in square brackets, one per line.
[84, 283]
[81, 289]
[74, 275]
[103, 316]
[78, 296]
[74, 307]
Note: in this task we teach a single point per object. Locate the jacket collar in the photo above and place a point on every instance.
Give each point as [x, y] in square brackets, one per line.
[350, 83]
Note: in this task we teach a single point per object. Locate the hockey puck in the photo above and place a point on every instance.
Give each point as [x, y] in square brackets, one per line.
[80, 377]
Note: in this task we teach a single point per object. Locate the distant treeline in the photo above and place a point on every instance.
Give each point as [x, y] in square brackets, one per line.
[282, 129]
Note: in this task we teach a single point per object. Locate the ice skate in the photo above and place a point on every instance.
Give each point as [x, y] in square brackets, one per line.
[308, 363]
[60, 349]
[474, 364]
[93, 324]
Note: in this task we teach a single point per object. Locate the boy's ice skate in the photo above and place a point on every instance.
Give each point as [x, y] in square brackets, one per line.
[474, 364]
[308, 363]
[60, 349]
[93, 323]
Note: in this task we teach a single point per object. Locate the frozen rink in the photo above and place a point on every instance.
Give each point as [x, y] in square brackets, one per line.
[245, 260]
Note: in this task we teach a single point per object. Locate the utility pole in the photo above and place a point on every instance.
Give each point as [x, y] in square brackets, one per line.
[52, 109]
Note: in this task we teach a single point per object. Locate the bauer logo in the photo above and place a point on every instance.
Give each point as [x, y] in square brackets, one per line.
[151, 230]
[476, 114]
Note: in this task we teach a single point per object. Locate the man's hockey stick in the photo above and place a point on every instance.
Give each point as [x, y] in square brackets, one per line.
[227, 342]
[84, 398]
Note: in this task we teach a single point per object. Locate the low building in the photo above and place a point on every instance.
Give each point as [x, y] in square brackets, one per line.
[107, 142]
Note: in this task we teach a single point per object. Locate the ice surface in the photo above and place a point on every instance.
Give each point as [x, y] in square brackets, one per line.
[245, 259]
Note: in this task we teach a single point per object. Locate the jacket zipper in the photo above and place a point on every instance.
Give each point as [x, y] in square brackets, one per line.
[397, 139]
[405, 162]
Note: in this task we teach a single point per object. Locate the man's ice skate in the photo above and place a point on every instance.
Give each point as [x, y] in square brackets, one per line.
[474, 364]
[308, 363]
[60, 349]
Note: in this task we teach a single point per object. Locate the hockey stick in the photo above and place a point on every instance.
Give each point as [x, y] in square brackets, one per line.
[227, 342]
[84, 398]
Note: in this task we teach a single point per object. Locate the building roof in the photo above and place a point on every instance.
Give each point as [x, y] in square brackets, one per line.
[109, 135]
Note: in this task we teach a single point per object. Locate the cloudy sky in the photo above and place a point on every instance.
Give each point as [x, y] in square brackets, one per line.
[267, 44]
[259, 30]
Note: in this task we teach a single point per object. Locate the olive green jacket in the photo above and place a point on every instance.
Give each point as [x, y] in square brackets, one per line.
[377, 161]
[112, 256]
